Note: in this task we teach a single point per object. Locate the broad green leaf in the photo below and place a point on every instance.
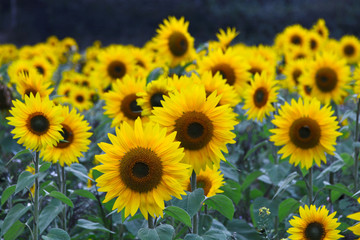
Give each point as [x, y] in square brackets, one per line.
[250, 179]
[277, 172]
[7, 193]
[61, 197]
[178, 214]
[26, 179]
[15, 230]
[57, 234]
[285, 183]
[49, 213]
[232, 190]
[165, 231]
[334, 167]
[84, 193]
[192, 236]
[222, 204]
[286, 207]
[205, 222]
[45, 166]
[254, 148]
[25, 151]
[191, 202]
[148, 234]
[242, 230]
[79, 171]
[340, 188]
[13, 215]
[83, 223]
[154, 74]
[214, 235]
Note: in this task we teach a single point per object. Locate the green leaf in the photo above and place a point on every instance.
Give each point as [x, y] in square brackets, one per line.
[255, 148]
[286, 207]
[191, 202]
[26, 179]
[61, 197]
[148, 234]
[84, 193]
[232, 190]
[7, 193]
[165, 231]
[205, 222]
[25, 151]
[192, 236]
[15, 230]
[214, 235]
[285, 183]
[340, 188]
[250, 179]
[334, 167]
[272, 205]
[242, 230]
[57, 234]
[13, 215]
[154, 74]
[79, 171]
[49, 213]
[45, 166]
[222, 204]
[83, 223]
[178, 214]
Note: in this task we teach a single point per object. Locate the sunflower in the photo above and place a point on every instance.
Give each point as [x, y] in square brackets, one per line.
[217, 83]
[297, 53]
[80, 98]
[230, 65]
[260, 96]
[32, 82]
[202, 127]
[349, 48]
[121, 101]
[37, 122]
[258, 65]
[17, 67]
[225, 38]
[294, 35]
[321, 29]
[174, 42]
[154, 94]
[314, 224]
[355, 216]
[211, 180]
[306, 130]
[76, 140]
[143, 61]
[63, 92]
[114, 63]
[330, 76]
[293, 71]
[315, 42]
[43, 67]
[141, 168]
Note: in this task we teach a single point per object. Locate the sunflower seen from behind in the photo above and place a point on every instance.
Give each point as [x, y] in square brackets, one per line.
[37, 122]
[75, 131]
[174, 42]
[202, 127]
[314, 224]
[141, 168]
[306, 131]
[260, 97]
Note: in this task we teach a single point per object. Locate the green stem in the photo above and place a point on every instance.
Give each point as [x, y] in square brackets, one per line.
[310, 190]
[63, 191]
[150, 222]
[36, 198]
[356, 154]
[195, 217]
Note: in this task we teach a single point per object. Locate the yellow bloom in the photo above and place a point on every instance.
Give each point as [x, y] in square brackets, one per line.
[355, 216]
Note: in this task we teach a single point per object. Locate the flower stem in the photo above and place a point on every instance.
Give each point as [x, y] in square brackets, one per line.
[310, 189]
[356, 154]
[193, 188]
[150, 222]
[63, 191]
[36, 198]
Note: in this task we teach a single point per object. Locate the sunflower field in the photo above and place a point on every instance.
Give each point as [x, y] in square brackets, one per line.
[173, 140]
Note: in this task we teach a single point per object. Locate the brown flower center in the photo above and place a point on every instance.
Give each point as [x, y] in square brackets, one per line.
[313, 44]
[141, 169]
[296, 39]
[260, 97]
[155, 100]
[326, 79]
[68, 137]
[178, 44]
[314, 231]
[305, 133]
[194, 130]
[130, 108]
[79, 98]
[201, 182]
[40, 69]
[296, 74]
[349, 50]
[116, 69]
[38, 124]
[255, 70]
[225, 71]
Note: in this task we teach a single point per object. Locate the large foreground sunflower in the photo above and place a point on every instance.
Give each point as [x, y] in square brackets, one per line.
[141, 168]
[202, 127]
[355, 216]
[314, 224]
[76, 136]
[306, 130]
[37, 122]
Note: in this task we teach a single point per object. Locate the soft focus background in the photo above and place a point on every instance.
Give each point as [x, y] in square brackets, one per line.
[134, 22]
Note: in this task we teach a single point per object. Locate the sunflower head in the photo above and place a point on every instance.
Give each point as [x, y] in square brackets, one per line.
[141, 168]
[314, 224]
[225, 38]
[32, 82]
[320, 28]
[306, 131]
[349, 48]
